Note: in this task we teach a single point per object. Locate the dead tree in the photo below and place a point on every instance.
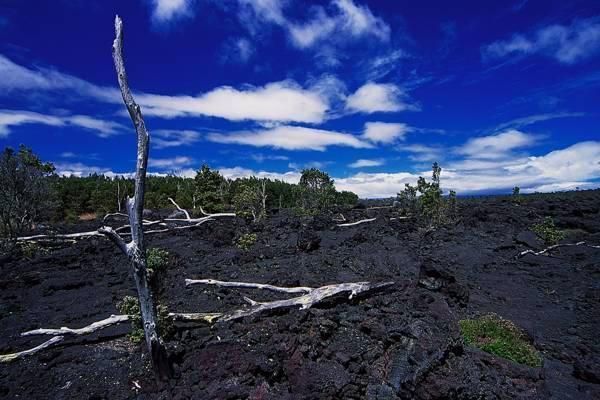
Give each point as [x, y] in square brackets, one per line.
[135, 249]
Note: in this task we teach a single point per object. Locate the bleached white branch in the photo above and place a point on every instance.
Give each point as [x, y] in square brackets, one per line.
[216, 214]
[96, 326]
[556, 246]
[13, 356]
[187, 215]
[307, 300]
[248, 285]
[362, 221]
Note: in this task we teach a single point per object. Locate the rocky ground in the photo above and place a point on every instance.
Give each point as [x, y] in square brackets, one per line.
[400, 342]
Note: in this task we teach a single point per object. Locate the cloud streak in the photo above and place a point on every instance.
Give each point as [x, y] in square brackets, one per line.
[566, 44]
[12, 118]
[291, 138]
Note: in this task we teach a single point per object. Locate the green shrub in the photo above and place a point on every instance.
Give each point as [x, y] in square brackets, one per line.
[156, 260]
[500, 337]
[548, 232]
[131, 306]
[429, 205]
[246, 241]
[31, 249]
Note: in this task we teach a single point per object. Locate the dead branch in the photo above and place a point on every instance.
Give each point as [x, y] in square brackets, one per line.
[362, 221]
[556, 246]
[96, 326]
[13, 356]
[187, 215]
[341, 218]
[116, 214]
[311, 297]
[299, 289]
[216, 214]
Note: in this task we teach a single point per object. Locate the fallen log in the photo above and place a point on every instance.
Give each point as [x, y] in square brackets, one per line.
[310, 297]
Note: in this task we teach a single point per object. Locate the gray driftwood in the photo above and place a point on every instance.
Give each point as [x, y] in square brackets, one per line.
[309, 298]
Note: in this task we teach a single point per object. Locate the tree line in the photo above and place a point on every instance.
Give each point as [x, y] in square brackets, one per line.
[32, 192]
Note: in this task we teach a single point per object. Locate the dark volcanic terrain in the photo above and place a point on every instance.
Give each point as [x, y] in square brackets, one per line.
[400, 342]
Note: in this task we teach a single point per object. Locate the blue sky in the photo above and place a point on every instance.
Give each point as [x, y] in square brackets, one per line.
[499, 93]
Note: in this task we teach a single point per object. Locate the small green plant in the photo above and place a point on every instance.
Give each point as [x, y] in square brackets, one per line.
[548, 232]
[495, 335]
[516, 195]
[246, 241]
[425, 200]
[156, 260]
[131, 306]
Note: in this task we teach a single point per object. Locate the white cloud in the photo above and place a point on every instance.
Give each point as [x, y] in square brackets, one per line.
[532, 119]
[170, 163]
[567, 44]
[343, 21]
[284, 101]
[18, 78]
[238, 50]
[366, 163]
[575, 166]
[497, 146]
[167, 10]
[81, 170]
[163, 138]
[12, 118]
[239, 172]
[279, 101]
[422, 153]
[374, 97]
[384, 132]
[260, 158]
[291, 138]
[310, 164]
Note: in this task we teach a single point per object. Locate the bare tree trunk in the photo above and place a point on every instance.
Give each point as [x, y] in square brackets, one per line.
[135, 249]
[118, 196]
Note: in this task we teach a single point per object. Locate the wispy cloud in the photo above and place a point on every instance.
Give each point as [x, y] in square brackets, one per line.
[284, 101]
[361, 163]
[378, 97]
[385, 132]
[238, 50]
[11, 118]
[260, 158]
[325, 32]
[291, 138]
[423, 153]
[164, 138]
[497, 146]
[567, 44]
[164, 11]
[170, 163]
[518, 123]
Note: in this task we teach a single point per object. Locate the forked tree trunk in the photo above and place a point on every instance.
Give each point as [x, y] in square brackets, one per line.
[135, 249]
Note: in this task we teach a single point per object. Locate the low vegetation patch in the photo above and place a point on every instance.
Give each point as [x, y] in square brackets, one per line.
[495, 335]
[246, 241]
[548, 232]
[156, 260]
[130, 305]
